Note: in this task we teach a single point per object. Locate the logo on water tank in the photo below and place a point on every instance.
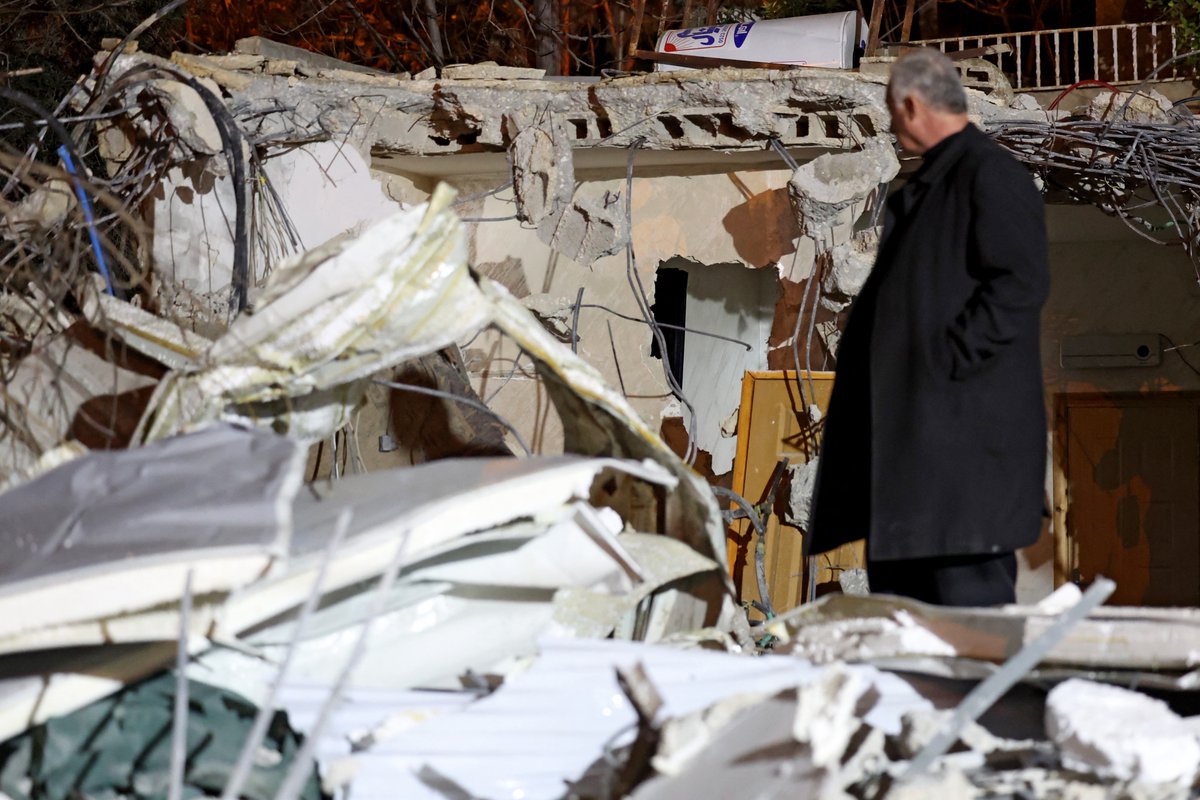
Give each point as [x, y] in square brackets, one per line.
[740, 32]
[696, 38]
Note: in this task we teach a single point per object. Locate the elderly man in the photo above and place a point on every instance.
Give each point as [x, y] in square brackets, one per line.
[934, 446]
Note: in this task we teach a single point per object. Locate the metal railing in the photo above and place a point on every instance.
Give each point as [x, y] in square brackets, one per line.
[1055, 59]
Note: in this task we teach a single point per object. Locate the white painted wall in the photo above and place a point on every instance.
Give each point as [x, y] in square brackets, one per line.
[1107, 279]
[729, 300]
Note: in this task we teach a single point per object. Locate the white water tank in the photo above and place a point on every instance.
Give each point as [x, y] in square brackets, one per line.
[820, 40]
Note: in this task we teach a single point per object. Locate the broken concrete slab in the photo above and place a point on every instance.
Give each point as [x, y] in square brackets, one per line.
[269, 49]
[865, 628]
[591, 226]
[542, 169]
[1121, 734]
[490, 71]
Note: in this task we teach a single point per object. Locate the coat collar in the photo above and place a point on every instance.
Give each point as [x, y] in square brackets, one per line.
[945, 154]
[936, 163]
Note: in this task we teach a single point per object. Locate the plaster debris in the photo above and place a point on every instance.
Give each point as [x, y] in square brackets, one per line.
[1121, 734]
[854, 581]
[552, 311]
[730, 423]
[831, 334]
[43, 208]
[921, 727]
[829, 713]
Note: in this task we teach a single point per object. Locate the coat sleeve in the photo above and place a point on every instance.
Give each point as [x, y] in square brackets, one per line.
[1007, 261]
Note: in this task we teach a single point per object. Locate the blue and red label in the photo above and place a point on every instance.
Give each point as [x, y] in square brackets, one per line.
[706, 38]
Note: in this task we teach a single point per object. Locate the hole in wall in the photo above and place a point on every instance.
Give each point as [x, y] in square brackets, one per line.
[725, 126]
[670, 308]
[703, 122]
[581, 128]
[673, 127]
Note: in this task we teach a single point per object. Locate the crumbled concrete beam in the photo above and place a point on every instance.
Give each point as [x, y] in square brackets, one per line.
[700, 109]
[202, 67]
[190, 118]
[826, 189]
[1120, 734]
[268, 49]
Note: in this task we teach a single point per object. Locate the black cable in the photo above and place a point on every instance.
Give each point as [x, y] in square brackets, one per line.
[232, 140]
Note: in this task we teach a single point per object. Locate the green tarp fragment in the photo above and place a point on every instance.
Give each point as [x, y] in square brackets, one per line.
[120, 747]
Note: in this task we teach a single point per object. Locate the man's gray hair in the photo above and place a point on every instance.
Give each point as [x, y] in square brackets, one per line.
[929, 74]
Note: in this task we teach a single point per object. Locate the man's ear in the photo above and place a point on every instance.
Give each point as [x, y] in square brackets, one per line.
[910, 107]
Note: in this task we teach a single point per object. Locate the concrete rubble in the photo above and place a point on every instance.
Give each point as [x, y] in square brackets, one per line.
[478, 613]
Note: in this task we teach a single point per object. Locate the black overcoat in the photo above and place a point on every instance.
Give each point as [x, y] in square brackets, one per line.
[935, 438]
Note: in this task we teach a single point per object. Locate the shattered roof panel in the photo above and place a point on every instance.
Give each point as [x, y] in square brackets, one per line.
[184, 503]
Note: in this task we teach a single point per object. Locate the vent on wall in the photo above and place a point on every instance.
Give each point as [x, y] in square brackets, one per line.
[1107, 351]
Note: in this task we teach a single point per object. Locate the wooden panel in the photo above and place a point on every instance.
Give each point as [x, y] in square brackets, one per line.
[771, 426]
[1133, 487]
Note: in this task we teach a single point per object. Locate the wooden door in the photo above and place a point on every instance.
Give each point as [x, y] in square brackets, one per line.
[771, 426]
[1133, 495]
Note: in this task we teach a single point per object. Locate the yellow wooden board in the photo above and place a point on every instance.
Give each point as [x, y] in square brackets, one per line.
[772, 425]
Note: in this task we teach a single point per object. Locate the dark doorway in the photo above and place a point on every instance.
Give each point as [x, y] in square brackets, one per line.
[670, 308]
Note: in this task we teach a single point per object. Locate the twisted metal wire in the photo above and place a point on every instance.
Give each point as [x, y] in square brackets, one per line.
[1127, 169]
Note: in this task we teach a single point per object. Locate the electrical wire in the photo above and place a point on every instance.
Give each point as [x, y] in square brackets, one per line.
[749, 347]
[643, 302]
[1175, 348]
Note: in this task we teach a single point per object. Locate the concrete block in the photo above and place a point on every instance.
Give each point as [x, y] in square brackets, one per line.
[1120, 734]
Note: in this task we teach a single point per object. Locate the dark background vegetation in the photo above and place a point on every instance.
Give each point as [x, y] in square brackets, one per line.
[578, 37]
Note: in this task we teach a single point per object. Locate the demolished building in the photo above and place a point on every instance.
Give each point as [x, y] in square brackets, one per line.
[734, 209]
[389, 271]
